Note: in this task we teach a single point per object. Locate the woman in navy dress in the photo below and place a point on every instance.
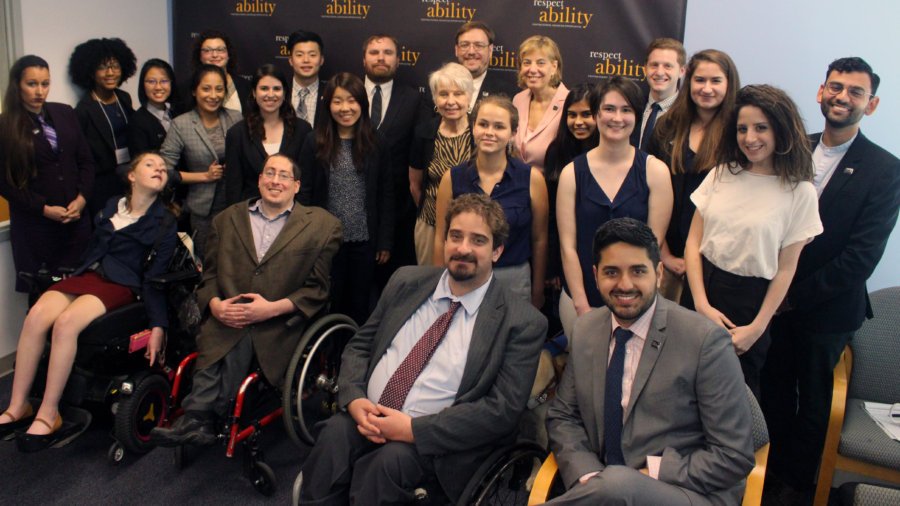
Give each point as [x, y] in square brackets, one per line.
[48, 173]
[612, 180]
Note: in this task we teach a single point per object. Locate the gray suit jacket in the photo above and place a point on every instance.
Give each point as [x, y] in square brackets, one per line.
[500, 368]
[688, 404]
[187, 142]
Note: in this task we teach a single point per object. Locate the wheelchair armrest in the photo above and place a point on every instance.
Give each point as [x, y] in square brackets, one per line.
[170, 278]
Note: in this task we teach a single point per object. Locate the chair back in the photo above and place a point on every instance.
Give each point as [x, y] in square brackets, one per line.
[760, 429]
[875, 375]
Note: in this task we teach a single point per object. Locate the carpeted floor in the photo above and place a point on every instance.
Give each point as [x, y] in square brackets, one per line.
[79, 473]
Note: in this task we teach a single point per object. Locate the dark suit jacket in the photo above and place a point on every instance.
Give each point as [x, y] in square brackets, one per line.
[96, 129]
[858, 210]
[379, 190]
[500, 368]
[498, 83]
[122, 254]
[321, 106]
[688, 404]
[297, 266]
[244, 158]
[145, 132]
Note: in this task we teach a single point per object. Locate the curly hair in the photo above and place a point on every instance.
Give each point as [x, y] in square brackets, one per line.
[489, 210]
[231, 66]
[89, 55]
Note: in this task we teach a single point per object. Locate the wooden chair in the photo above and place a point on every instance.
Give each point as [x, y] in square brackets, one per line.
[546, 479]
[867, 372]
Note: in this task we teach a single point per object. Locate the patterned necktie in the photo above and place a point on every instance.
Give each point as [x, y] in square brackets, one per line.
[49, 133]
[376, 107]
[612, 400]
[398, 386]
[301, 104]
[651, 122]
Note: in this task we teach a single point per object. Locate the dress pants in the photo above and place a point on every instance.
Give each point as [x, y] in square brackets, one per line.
[622, 485]
[797, 382]
[346, 468]
[215, 386]
[353, 280]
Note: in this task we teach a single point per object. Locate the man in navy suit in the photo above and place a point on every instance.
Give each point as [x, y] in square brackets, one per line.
[859, 196]
[474, 47]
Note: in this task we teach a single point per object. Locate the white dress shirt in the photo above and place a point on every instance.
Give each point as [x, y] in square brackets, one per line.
[825, 160]
[477, 82]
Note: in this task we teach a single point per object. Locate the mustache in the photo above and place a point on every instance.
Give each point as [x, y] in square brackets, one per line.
[464, 258]
[624, 293]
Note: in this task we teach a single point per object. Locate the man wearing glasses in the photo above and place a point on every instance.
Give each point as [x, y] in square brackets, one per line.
[474, 47]
[859, 195]
[267, 261]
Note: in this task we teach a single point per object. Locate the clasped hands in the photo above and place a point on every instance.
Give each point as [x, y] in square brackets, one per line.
[242, 310]
[380, 424]
[742, 338]
[67, 214]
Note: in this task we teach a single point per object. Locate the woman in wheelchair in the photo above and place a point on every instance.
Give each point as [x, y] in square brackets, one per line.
[133, 241]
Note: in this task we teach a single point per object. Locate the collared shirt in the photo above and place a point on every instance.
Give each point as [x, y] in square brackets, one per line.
[386, 89]
[633, 349]
[664, 105]
[265, 230]
[438, 383]
[163, 115]
[825, 160]
[312, 98]
[476, 92]
[123, 216]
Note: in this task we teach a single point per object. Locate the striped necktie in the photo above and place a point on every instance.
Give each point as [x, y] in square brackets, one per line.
[49, 133]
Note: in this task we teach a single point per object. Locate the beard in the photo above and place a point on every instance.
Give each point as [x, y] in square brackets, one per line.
[462, 271]
[853, 115]
[632, 313]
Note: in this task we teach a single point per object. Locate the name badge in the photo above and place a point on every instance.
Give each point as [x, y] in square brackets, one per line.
[122, 156]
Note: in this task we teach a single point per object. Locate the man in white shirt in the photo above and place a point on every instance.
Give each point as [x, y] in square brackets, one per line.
[664, 70]
[859, 195]
[652, 407]
[306, 59]
[436, 378]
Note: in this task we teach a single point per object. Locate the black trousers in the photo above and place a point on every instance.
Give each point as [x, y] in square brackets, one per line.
[739, 298]
[797, 383]
[352, 280]
[346, 468]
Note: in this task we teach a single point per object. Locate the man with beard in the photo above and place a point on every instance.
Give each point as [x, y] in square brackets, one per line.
[436, 378]
[859, 195]
[652, 407]
[393, 108]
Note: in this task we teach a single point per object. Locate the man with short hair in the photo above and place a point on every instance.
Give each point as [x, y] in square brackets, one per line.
[437, 377]
[267, 261]
[664, 69]
[859, 196]
[307, 55]
[393, 108]
[652, 407]
[474, 47]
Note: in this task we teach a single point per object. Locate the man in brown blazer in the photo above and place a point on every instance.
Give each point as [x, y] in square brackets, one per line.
[267, 261]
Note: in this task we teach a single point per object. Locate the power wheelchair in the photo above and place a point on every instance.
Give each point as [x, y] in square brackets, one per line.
[105, 377]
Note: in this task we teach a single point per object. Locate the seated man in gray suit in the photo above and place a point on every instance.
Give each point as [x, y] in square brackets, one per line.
[267, 261]
[652, 406]
[438, 375]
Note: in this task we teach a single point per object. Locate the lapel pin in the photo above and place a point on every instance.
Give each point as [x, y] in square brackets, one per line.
[654, 344]
[848, 171]
[36, 131]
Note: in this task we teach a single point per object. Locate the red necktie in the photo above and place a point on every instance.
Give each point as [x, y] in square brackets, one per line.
[398, 386]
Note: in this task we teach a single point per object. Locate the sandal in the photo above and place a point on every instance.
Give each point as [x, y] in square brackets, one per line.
[30, 443]
[8, 429]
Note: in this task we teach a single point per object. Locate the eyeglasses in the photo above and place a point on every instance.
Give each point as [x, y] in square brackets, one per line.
[284, 177]
[154, 82]
[465, 45]
[855, 92]
[103, 67]
[208, 50]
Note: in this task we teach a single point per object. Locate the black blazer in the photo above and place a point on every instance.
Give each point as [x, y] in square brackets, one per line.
[498, 83]
[96, 129]
[145, 132]
[123, 254]
[321, 106]
[858, 210]
[379, 190]
[244, 158]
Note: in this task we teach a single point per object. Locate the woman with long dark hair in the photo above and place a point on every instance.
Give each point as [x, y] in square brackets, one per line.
[113, 270]
[345, 169]
[158, 95]
[755, 212]
[99, 67]
[269, 126]
[48, 173]
[195, 145]
[687, 139]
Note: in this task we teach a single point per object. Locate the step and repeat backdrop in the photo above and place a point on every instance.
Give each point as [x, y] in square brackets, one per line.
[597, 38]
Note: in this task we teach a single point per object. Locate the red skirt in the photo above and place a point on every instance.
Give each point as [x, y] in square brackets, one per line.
[113, 295]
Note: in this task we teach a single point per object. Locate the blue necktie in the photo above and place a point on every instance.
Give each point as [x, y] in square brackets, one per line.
[612, 401]
[376, 107]
[651, 123]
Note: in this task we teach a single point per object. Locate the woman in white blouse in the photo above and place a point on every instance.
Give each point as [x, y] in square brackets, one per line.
[755, 212]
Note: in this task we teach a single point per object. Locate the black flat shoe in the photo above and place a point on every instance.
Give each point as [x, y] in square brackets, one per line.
[30, 443]
[8, 430]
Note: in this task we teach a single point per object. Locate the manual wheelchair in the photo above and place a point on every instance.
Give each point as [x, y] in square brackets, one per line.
[106, 377]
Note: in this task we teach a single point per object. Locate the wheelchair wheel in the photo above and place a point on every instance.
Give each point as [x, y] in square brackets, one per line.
[310, 385]
[140, 412]
[506, 476]
[263, 478]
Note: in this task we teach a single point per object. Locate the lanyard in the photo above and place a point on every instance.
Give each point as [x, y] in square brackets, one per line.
[108, 122]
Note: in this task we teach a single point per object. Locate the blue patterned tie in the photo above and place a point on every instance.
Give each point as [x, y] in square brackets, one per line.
[651, 123]
[612, 401]
[49, 133]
